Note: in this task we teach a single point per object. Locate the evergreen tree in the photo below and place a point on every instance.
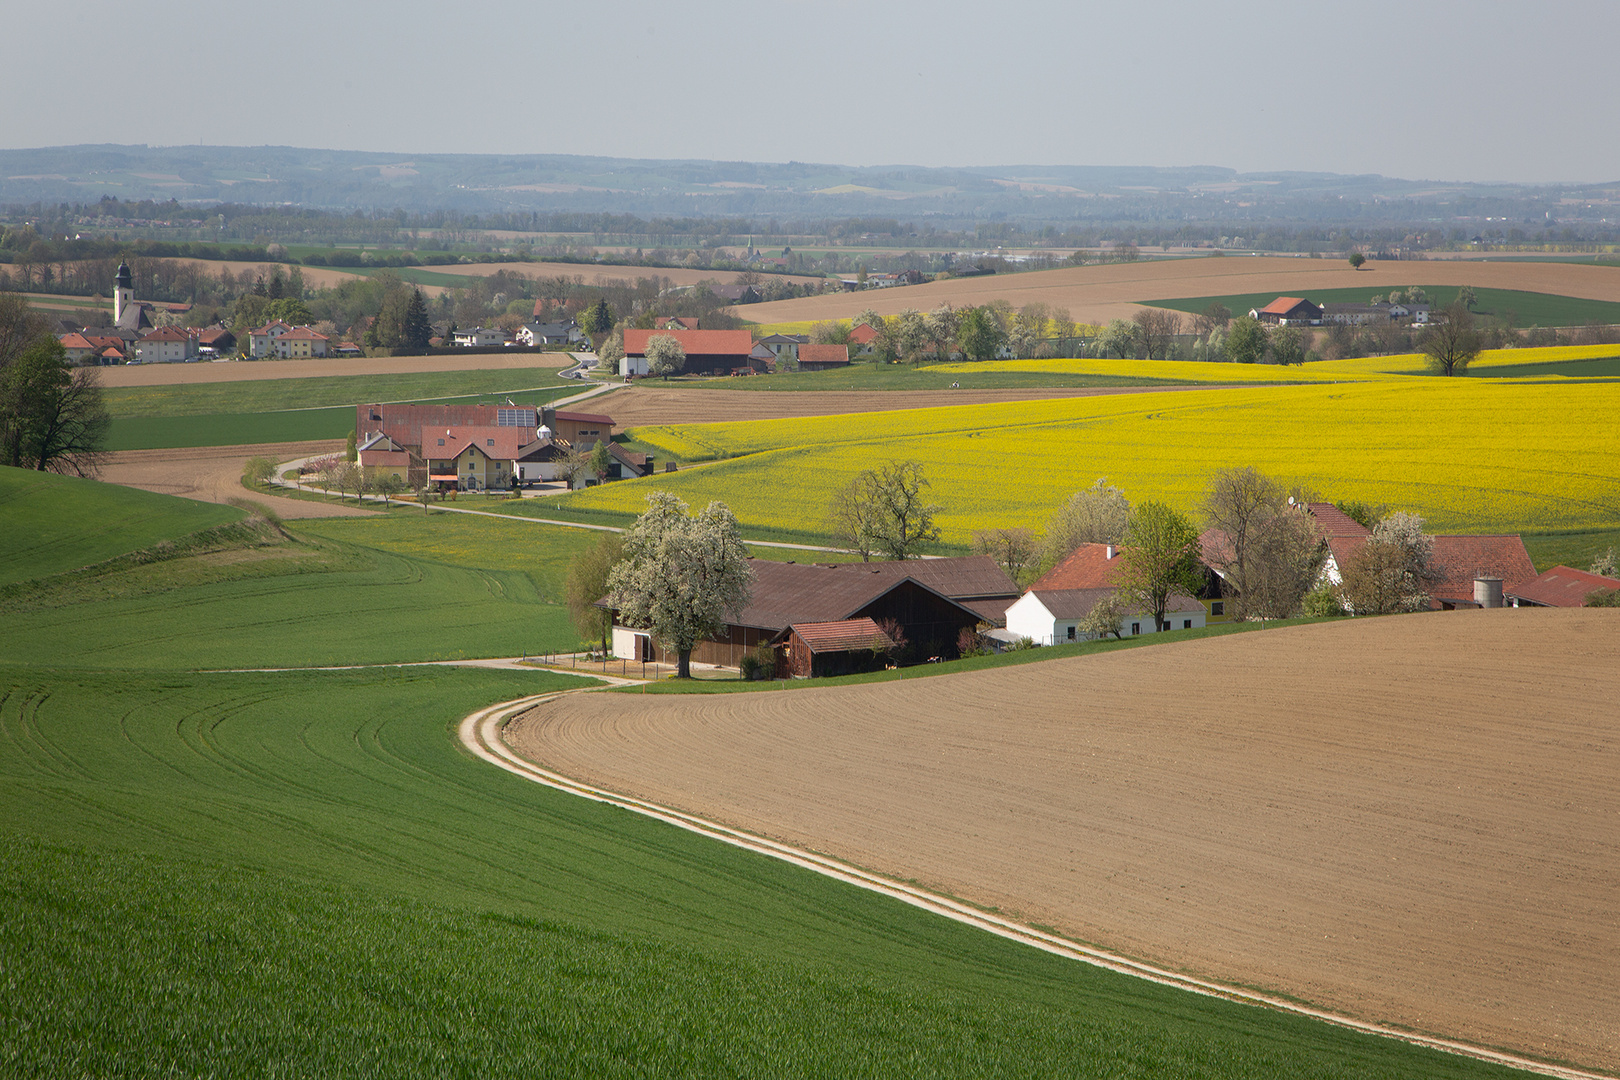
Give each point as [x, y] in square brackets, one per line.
[417, 329]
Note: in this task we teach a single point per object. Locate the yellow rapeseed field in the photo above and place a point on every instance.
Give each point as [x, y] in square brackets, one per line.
[1470, 455]
[1373, 368]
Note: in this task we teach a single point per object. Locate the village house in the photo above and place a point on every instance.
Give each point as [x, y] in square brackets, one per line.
[708, 352]
[262, 341]
[863, 340]
[1562, 586]
[783, 346]
[538, 334]
[166, 345]
[1288, 311]
[814, 357]
[477, 447]
[1056, 604]
[480, 337]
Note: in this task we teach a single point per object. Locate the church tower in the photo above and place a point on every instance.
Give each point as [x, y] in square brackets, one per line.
[123, 294]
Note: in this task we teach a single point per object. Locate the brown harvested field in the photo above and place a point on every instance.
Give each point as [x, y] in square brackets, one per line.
[315, 276]
[250, 370]
[1413, 819]
[214, 474]
[635, 406]
[1097, 294]
[596, 273]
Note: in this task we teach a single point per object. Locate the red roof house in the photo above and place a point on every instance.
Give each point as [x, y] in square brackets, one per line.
[1562, 586]
[707, 351]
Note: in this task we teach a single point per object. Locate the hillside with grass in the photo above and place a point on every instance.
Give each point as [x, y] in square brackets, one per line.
[256, 873]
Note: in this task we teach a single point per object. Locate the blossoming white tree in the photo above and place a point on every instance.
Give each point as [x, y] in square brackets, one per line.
[681, 575]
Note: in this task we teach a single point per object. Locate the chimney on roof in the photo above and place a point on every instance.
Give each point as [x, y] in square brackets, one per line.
[1110, 552]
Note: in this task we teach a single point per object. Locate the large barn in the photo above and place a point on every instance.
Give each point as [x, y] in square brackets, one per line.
[708, 352]
[930, 600]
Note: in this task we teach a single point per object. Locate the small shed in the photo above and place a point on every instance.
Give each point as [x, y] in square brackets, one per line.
[816, 650]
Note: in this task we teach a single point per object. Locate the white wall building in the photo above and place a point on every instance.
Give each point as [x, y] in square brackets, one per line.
[1053, 616]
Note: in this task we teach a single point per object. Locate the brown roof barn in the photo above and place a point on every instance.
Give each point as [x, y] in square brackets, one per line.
[931, 601]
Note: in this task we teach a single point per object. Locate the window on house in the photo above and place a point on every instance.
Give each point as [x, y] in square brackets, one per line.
[1186, 624]
[489, 442]
[1217, 607]
[1136, 628]
[1071, 633]
[441, 442]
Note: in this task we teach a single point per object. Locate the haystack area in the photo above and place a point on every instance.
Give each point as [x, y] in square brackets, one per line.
[252, 370]
[1413, 820]
[1097, 294]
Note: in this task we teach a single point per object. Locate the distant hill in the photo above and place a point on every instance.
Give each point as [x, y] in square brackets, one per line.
[485, 183]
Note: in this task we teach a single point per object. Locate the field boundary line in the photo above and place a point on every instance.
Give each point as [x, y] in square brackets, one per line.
[481, 734]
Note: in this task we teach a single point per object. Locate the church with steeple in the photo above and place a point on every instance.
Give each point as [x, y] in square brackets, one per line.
[128, 314]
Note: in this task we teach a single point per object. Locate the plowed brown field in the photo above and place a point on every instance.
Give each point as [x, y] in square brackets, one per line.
[1413, 820]
[1097, 294]
[250, 370]
[214, 474]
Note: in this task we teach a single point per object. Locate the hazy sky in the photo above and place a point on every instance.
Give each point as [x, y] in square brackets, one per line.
[1503, 90]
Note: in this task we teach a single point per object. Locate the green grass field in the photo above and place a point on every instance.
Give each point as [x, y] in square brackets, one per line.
[50, 524]
[1521, 308]
[264, 395]
[291, 410]
[301, 874]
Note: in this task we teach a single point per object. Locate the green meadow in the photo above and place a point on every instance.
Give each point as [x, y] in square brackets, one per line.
[298, 873]
[297, 410]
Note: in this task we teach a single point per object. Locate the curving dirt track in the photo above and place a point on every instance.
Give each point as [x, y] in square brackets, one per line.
[252, 370]
[635, 406]
[1099, 293]
[214, 474]
[1411, 820]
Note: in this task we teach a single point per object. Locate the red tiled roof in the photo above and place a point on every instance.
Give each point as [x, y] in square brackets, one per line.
[167, 333]
[846, 635]
[863, 334]
[1088, 567]
[823, 354]
[695, 342]
[684, 322]
[269, 326]
[211, 334]
[1461, 559]
[303, 333]
[496, 443]
[1562, 586]
[75, 341]
[1077, 603]
[584, 417]
[1283, 305]
[385, 457]
[1331, 521]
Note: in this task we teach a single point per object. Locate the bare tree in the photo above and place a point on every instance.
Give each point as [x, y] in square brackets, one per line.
[1156, 330]
[883, 510]
[1097, 515]
[1011, 548]
[1451, 344]
[1214, 317]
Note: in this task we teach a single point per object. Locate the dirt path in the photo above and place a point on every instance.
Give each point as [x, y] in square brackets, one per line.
[214, 474]
[252, 370]
[1413, 821]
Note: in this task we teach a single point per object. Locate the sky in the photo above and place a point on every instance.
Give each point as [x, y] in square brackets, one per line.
[1493, 90]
